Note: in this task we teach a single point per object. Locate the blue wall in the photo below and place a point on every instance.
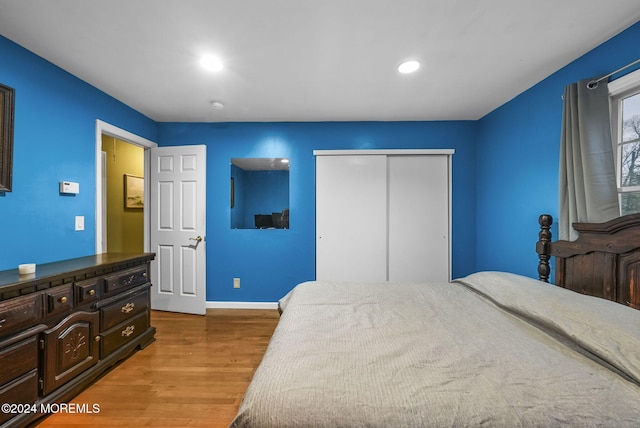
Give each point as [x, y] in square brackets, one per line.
[54, 140]
[518, 159]
[505, 173]
[271, 262]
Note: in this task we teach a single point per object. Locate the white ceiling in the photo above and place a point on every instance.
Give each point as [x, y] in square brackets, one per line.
[313, 60]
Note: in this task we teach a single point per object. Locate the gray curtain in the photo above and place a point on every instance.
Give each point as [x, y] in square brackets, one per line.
[587, 171]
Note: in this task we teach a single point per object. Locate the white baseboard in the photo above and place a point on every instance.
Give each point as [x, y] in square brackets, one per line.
[242, 305]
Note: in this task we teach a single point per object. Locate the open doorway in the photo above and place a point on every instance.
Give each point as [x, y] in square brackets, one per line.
[124, 195]
[125, 142]
[180, 279]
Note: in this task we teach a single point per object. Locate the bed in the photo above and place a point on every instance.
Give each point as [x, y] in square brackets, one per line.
[490, 349]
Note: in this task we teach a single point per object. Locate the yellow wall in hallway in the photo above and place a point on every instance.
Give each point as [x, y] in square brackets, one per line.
[125, 226]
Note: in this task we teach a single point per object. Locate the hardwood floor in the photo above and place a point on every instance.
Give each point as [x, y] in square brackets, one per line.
[193, 375]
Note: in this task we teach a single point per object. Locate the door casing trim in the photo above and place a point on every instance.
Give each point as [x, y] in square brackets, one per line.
[104, 128]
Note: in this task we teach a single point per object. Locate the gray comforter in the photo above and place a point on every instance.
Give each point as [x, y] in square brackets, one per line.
[492, 349]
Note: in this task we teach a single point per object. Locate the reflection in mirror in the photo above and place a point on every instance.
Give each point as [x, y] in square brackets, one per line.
[259, 193]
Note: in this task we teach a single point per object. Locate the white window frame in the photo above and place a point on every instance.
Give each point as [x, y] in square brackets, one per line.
[618, 90]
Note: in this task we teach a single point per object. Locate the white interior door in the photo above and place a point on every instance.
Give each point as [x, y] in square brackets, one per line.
[351, 225]
[178, 228]
[419, 218]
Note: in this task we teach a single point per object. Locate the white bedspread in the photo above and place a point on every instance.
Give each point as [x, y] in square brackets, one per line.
[492, 349]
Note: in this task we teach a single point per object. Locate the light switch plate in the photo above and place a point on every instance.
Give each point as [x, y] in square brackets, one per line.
[79, 222]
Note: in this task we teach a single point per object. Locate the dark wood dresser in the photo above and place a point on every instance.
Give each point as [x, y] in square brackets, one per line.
[65, 325]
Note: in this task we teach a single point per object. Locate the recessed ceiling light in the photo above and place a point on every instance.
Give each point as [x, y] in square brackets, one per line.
[409, 66]
[211, 63]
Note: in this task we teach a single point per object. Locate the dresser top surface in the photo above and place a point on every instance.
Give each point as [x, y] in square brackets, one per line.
[11, 279]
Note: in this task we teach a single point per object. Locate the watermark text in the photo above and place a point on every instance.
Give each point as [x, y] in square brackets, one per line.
[67, 408]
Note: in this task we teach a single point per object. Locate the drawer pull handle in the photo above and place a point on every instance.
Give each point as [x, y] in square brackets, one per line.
[91, 292]
[2, 321]
[144, 274]
[63, 299]
[127, 308]
[128, 331]
[97, 338]
[129, 280]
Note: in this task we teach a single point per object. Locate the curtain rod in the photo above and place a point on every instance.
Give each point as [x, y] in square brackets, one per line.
[594, 83]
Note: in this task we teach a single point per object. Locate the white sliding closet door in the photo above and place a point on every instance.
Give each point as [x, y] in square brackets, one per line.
[418, 218]
[351, 224]
[383, 215]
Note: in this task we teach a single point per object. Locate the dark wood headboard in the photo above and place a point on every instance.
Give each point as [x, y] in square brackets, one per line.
[604, 261]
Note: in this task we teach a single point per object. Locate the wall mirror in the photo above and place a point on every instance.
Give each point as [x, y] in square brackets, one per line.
[259, 193]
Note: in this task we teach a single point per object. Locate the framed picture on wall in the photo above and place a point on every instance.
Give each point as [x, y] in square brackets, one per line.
[7, 100]
[133, 191]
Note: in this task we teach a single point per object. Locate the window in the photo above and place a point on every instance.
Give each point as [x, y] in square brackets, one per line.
[625, 119]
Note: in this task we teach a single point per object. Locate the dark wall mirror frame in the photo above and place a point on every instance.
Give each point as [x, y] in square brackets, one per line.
[7, 104]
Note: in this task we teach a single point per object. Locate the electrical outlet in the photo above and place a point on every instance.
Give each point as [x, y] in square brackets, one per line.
[236, 282]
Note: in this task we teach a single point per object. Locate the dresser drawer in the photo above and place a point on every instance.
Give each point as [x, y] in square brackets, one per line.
[23, 390]
[20, 312]
[122, 333]
[18, 358]
[123, 309]
[126, 279]
[88, 290]
[59, 299]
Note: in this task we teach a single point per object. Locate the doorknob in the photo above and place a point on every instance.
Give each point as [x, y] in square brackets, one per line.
[197, 239]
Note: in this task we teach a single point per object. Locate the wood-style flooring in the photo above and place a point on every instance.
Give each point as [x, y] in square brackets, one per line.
[193, 375]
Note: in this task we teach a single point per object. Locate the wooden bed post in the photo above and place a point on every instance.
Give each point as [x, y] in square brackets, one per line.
[542, 247]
